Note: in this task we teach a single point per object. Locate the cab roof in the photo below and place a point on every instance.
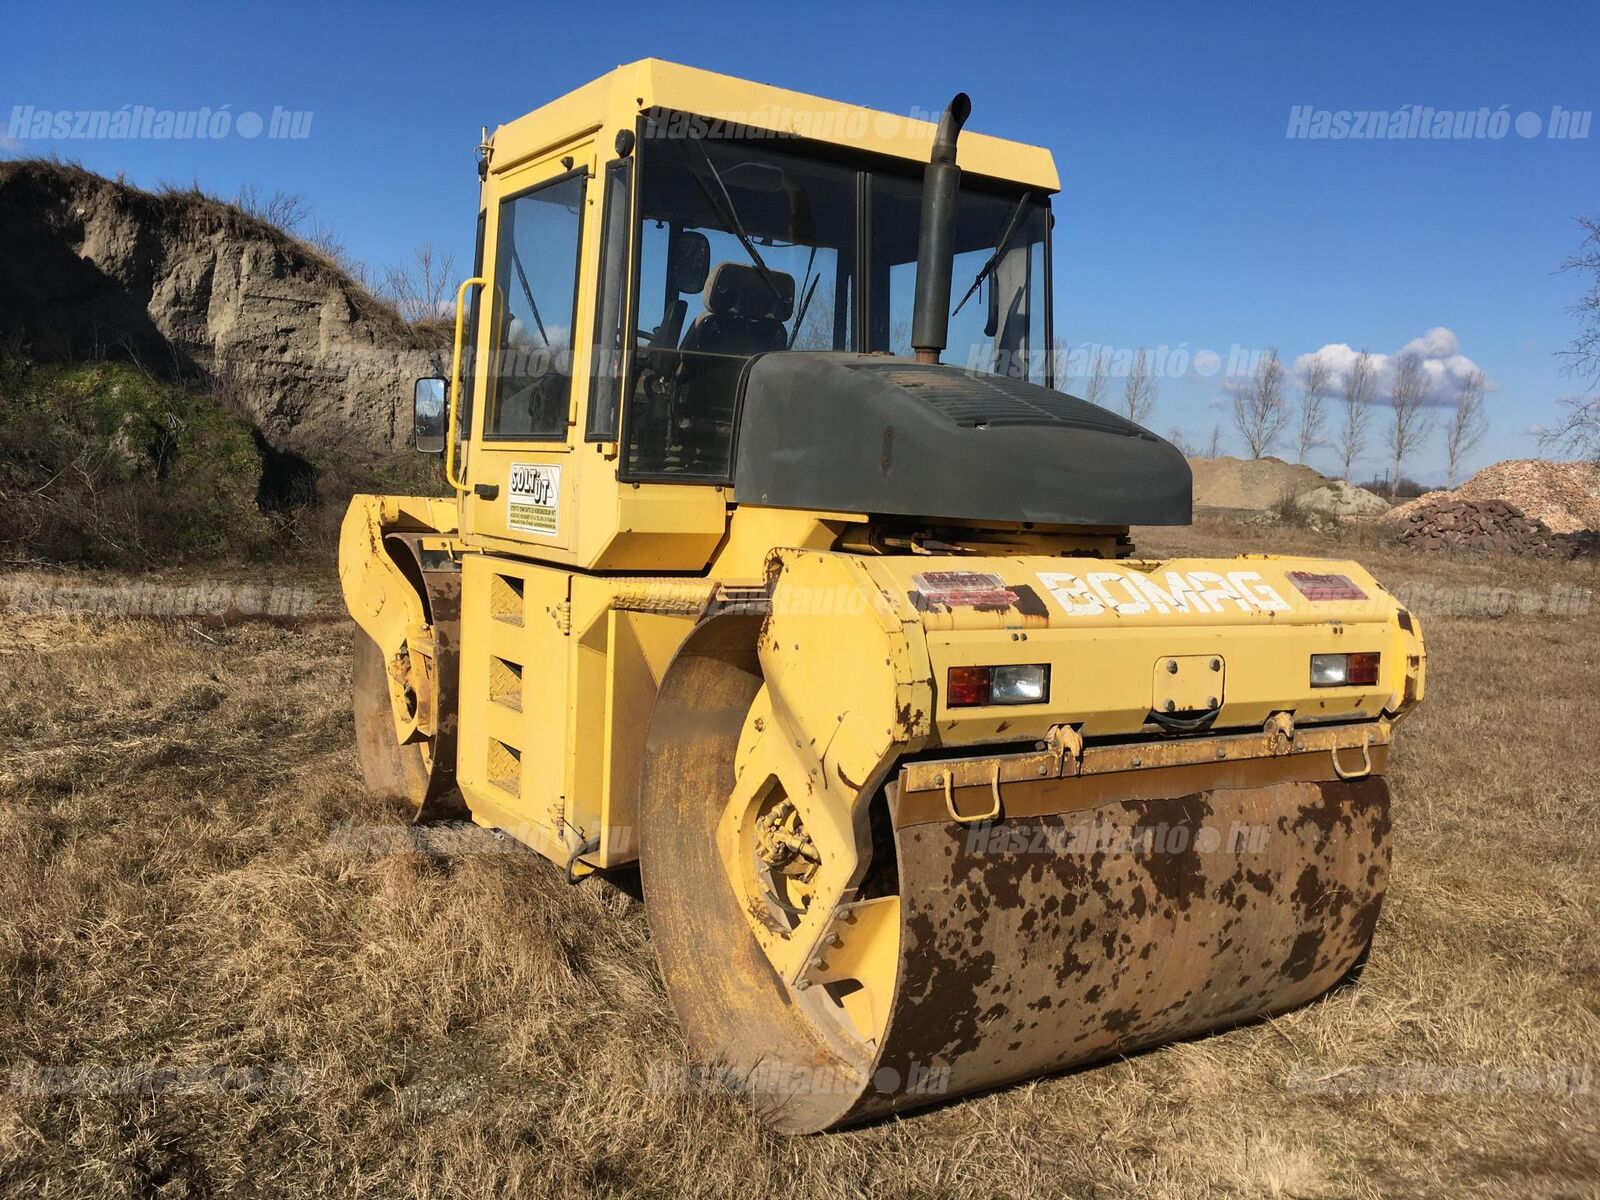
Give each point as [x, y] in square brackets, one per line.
[615, 100]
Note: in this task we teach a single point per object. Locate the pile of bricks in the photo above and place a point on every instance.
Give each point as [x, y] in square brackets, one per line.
[1490, 526]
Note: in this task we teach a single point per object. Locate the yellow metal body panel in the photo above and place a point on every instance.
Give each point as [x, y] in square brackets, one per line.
[384, 602]
[515, 681]
[753, 533]
[615, 99]
[1105, 629]
[558, 673]
[626, 631]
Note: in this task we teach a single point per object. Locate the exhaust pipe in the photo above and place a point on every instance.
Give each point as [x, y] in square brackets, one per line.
[941, 183]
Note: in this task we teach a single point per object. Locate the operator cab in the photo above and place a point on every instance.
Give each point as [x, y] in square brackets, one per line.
[694, 294]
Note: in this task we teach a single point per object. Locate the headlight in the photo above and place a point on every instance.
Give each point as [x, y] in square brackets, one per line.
[1019, 685]
[1344, 670]
[970, 687]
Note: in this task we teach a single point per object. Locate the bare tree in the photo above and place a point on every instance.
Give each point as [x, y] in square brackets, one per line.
[1139, 393]
[421, 289]
[1259, 411]
[1579, 430]
[1060, 355]
[284, 210]
[1356, 392]
[1313, 391]
[1467, 424]
[1180, 439]
[1094, 384]
[1214, 447]
[1582, 355]
[1410, 423]
[326, 242]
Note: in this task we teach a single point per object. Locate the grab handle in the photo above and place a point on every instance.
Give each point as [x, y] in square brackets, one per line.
[948, 779]
[455, 384]
[1366, 760]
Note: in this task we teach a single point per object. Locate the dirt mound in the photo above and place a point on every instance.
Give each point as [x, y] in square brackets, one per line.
[1491, 526]
[1565, 496]
[1259, 483]
[189, 287]
[1341, 499]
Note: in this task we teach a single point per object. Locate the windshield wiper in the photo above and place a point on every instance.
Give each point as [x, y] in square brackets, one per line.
[522, 278]
[730, 214]
[999, 251]
[808, 289]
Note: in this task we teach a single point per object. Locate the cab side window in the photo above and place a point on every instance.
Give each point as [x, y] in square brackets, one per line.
[605, 377]
[470, 366]
[535, 298]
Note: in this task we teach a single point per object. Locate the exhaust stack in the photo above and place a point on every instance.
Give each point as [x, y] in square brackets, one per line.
[941, 182]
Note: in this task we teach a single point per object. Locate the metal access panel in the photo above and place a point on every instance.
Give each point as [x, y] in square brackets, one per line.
[515, 658]
[1188, 683]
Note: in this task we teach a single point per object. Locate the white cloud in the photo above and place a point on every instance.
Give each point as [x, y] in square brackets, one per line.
[1442, 362]
[1438, 342]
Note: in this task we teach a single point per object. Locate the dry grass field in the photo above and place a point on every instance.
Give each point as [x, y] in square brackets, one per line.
[226, 970]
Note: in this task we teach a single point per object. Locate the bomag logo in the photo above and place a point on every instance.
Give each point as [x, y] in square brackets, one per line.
[1131, 593]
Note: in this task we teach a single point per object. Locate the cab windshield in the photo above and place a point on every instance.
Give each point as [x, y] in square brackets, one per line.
[748, 248]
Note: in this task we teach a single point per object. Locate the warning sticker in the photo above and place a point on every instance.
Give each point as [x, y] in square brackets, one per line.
[1313, 586]
[533, 498]
[961, 589]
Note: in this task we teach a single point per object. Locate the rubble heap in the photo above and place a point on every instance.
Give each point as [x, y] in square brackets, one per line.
[1448, 522]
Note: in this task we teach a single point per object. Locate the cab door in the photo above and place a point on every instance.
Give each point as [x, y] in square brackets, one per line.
[522, 487]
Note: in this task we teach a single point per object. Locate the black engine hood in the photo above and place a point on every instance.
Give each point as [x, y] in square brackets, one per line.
[881, 435]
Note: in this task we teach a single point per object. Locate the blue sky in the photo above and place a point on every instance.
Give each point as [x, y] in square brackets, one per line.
[1187, 217]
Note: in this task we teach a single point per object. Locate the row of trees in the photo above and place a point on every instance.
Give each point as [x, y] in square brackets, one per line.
[1264, 418]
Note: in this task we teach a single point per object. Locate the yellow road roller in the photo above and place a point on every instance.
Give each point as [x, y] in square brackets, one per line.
[777, 563]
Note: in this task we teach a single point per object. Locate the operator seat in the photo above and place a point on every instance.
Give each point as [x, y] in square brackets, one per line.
[744, 315]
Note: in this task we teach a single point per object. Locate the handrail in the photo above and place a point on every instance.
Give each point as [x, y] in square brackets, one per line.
[455, 385]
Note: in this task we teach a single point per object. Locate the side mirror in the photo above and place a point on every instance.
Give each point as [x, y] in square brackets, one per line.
[428, 415]
[691, 261]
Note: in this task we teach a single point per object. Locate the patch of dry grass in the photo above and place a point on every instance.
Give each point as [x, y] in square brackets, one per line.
[192, 881]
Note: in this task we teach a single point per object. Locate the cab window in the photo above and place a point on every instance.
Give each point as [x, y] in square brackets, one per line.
[998, 285]
[535, 294]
